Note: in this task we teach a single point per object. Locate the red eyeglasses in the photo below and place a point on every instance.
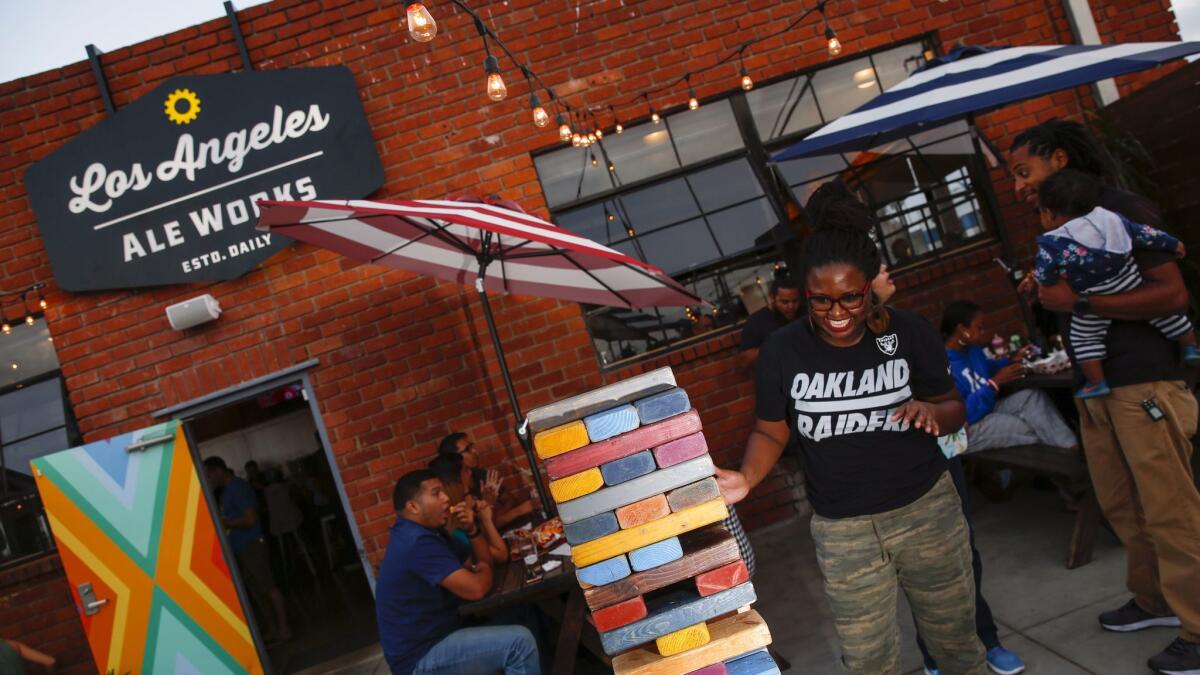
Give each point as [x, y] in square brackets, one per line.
[848, 301]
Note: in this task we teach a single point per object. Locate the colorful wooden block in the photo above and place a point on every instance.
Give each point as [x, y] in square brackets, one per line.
[672, 612]
[608, 423]
[624, 445]
[628, 468]
[662, 405]
[680, 449]
[608, 396]
[620, 614]
[640, 513]
[703, 550]
[613, 498]
[721, 578]
[711, 669]
[683, 640]
[562, 439]
[758, 662]
[656, 554]
[593, 528]
[730, 637]
[625, 541]
[693, 494]
[573, 487]
[604, 572]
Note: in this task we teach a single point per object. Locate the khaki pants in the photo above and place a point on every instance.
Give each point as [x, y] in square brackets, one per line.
[923, 549]
[1143, 476]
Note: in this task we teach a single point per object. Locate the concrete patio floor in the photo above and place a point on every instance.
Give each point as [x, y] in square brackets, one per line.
[1046, 613]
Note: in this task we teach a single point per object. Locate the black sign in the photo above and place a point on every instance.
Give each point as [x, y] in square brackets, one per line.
[164, 191]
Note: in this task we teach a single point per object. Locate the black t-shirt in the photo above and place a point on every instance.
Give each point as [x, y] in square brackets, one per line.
[760, 324]
[839, 402]
[1137, 351]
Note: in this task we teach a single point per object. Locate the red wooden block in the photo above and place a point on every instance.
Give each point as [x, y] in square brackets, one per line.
[624, 445]
[722, 578]
[714, 669]
[680, 450]
[620, 614]
[640, 513]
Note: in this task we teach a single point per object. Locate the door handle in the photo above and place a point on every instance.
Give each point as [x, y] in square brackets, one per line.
[91, 605]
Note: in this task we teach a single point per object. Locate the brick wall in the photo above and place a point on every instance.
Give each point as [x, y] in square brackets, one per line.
[405, 359]
[37, 609]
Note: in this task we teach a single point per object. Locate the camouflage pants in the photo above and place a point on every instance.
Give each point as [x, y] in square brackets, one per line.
[921, 548]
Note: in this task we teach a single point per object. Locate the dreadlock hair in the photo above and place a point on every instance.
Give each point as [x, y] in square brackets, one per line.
[841, 234]
[1072, 138]
[1070, 193]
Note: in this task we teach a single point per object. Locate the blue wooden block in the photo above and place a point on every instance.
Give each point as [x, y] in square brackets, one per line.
[658, 553]
[604, 572]
[628, 468]
[675, 611]
[591, 528]
[662, 405]
[755, 663]
[611, 422]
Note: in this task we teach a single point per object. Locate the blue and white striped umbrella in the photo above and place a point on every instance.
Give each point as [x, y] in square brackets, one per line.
[976, 84]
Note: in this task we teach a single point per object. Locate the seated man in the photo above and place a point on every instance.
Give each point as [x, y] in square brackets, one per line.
[421, 583]
[485, 483]
[455, 476]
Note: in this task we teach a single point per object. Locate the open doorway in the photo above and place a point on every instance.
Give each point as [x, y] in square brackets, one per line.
[308, 591]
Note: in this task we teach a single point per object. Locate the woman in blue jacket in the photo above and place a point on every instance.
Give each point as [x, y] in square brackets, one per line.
[1027, 417]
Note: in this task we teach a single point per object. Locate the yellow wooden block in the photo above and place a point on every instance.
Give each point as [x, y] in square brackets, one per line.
[624, 541]
[683, 640]
[562, 439]
[576, 485]
[731, 637]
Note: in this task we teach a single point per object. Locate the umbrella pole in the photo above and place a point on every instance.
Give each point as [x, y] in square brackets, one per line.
[522, 434]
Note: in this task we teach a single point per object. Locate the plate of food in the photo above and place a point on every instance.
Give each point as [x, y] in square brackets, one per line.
[1055, 362]
[548, 533]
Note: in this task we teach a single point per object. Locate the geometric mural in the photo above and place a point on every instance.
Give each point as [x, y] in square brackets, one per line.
[136, 525]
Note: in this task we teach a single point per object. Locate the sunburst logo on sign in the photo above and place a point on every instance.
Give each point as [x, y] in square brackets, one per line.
[182, 106]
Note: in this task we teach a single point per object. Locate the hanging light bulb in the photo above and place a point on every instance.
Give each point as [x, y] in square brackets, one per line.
[612, 167]
[421, 26]
[41, 298]
[629, 232]
[611, 217]
[540, 117]
[693, 102]
[29, 320]
[595, 162]
[620, 129]
[599, 134]
[6, 326]
[591, 139]
[834, 45]
[747, 83]
[564, 129]
[654, 116]
[576, 140]
[495, 83]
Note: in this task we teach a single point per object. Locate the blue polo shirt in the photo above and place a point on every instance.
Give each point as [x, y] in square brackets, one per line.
[236, 499]
[414, 610]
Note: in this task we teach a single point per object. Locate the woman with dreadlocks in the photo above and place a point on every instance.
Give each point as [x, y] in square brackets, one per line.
[867, 391]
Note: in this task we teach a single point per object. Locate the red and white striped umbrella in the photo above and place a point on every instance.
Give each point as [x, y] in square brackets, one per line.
[456, 240]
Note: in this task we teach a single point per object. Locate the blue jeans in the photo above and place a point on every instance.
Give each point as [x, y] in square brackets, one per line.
[483, 650]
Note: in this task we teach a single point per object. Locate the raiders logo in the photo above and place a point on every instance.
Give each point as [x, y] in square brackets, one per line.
[887, 344]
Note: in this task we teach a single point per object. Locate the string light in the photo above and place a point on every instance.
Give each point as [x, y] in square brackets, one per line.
[564, 129]
[747, 83]
[629, 231]
[421, 26]
[610, 215]
[612, 167]
[41, 299]
[6, 327]
[495, 82]
[693, 102]
[595, 162]
[29, 320]
[540, 117]
[620, 129]
[834, 45]
[599, 134]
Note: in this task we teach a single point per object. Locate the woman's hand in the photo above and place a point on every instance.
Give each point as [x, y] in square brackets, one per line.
[486, 511]
[882, 285]
[733, 484]
[490, 488]
[918, 413]
[1022, 354]
[1010, 373]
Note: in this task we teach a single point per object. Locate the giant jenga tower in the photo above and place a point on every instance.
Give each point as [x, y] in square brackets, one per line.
[665, 582]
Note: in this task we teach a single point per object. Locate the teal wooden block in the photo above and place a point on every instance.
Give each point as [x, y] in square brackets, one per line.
[675, 611]
[662, 405]
[755, 663]
[658, 553]
[611, 422]
[604, 572]
[628, 468]
[591, 528]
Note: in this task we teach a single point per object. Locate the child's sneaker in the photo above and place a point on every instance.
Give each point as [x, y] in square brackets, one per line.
[1191, 355]
[1093, 390]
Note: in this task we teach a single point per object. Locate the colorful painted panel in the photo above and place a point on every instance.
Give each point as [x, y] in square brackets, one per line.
[135, 524]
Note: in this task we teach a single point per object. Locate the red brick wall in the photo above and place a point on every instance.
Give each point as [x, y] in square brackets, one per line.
[405, 359]
[37, 609]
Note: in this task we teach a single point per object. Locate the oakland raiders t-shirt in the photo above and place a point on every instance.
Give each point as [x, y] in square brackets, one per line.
[839, 402]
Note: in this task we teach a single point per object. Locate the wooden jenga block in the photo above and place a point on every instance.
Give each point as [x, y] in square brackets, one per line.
[672, 612]
[725, 576]
[625, 541]
[608, 423]
[624, 445]
[693, 494]
[593, 528]
[703, 550]
[654, 555]
[662, 405]
[640, 513]
[628, 468]
[680, 449]
[620, 614]
[729, 637]
[682, 640]
[573, 487]
[613, 498]
[758, 662]
[562, 439]
[711, 669]
[608, 396]
[604, 572]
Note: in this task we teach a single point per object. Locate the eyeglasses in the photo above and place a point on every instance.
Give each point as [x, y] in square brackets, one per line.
[466, 449]
[848, 301]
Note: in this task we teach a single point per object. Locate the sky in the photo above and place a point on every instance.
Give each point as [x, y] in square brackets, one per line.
[38, 35]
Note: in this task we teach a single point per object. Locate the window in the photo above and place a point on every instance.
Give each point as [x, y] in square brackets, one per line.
[694, 196]
[35, 420]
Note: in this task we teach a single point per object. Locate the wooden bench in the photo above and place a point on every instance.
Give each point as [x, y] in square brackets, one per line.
[1057, 463]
